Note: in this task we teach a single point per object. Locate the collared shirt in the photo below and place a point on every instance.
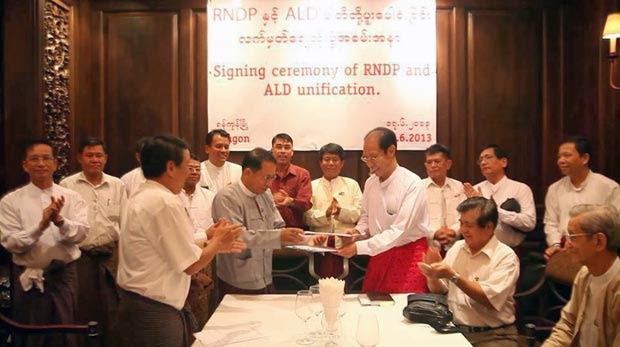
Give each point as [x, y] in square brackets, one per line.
[589, 325]
[296, 182]
[524, 221]
[215, 178]
[133, 179]
[105, 202]
[349, 196]
[156, 245]
[496, 269]
[562, 196]
[250, 269]
[394, 212]
[198, 205]
[20, 213]
[442, 203]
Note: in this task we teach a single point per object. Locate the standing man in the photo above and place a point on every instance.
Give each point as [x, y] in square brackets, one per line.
[443, 195]
[578, 186]
[479, 275]
[250, 203]
[336, 204]
[157, 251]
[216, 171]
[198, 200]
[336, 200]
[394, 221]
[42, 224]
[592, 315]
[517, 212]
[291, 188]
[97, 267]
[134, 178]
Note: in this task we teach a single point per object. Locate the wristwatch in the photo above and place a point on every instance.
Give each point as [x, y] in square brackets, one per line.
[455, 278]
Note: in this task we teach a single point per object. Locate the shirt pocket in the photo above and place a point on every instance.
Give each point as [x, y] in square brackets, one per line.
[113, 212]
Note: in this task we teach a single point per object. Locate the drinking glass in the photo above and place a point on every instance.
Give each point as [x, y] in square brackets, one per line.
[317, 309]
[303, 303]
[367, 334]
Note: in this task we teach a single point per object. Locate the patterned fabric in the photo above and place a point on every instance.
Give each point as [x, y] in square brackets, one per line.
[396, 270]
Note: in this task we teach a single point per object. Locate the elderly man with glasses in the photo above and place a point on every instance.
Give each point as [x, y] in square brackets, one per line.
[393, 225]
[592, 315]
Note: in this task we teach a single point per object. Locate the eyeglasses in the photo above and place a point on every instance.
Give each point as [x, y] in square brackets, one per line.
[269, 177]
[35, 159]
[484, 158]
[371, 158]
[570, 237]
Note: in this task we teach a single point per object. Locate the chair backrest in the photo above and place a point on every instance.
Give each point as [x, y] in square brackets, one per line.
[562, 268]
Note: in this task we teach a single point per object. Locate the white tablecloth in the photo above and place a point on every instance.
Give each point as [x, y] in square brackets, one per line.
[273, 317]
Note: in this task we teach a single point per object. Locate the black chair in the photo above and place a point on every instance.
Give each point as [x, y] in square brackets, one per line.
[9, 327]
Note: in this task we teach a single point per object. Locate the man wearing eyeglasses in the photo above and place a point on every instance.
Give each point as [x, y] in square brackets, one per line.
[249, 202]
[592, 315]
[42, 225]
[578, 186]
[97, 267]
[515, 201]
[393, 225]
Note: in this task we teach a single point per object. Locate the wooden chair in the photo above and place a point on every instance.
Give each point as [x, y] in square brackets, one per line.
[9, 327]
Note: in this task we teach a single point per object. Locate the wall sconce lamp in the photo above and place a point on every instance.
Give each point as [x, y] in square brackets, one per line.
[612, 32]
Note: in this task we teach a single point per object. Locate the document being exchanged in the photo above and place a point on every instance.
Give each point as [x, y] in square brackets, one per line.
[306, 232]
[312, 249]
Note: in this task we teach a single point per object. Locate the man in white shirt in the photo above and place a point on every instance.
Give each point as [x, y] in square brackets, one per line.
[41, 224]
[393, 225]
[578, 186]
[157, 253]
[515, 201]
[134, 178]
[592, 315]
[198, 200]
[336, 204]
[216, 172]
[336, 200]
[479, 275]
[105, 196]
[443, 195]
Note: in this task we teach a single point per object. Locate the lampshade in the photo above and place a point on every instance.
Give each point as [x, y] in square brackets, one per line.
[612, 26]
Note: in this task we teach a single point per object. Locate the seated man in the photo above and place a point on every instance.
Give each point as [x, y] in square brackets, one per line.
[514, 221]
[592, 316]
[580, 185]
[479, 274]
[443, 194]
[250, 203]
[336, 204]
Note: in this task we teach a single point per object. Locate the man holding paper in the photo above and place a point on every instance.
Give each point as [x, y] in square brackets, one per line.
[393, 225]
[250, 203]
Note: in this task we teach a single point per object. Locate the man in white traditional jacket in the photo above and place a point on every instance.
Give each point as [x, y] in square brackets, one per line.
[216, 172]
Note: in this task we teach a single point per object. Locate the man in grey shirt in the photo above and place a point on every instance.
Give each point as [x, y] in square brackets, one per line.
[250, 203]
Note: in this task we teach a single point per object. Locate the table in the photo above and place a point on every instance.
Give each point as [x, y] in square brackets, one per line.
[273, 316]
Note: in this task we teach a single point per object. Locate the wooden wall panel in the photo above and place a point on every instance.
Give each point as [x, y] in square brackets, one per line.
[522, 73]
[504, 90]
[140, 79]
